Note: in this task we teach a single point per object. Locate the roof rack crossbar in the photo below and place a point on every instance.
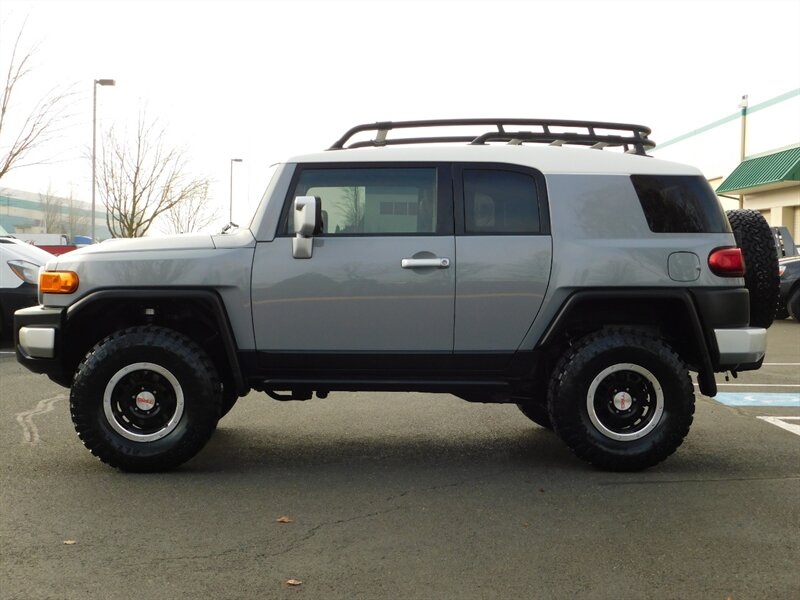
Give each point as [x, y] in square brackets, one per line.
[628, 136]
[559, 139]
[420, 140]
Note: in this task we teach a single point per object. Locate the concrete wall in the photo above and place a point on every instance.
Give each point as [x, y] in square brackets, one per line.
[781, 207]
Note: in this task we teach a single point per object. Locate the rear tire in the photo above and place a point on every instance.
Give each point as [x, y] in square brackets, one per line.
[621, 399]
[793, 305]
[761, 278]
[145, 399]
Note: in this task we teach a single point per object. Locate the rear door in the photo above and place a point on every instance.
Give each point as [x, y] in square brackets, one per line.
[369, 286]
[504, 251]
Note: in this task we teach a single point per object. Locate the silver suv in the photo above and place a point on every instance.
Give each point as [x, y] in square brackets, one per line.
[520, 264]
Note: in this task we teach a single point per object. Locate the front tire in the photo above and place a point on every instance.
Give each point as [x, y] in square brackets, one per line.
[621, 399]
[145, 399]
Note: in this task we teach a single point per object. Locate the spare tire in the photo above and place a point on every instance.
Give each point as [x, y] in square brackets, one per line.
[754, 237]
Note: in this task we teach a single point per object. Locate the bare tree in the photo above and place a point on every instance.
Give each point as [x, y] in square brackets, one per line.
[40, 126]
[142, 179]
[193, 214]
[77, 222]
[353, 209]
[52, 208]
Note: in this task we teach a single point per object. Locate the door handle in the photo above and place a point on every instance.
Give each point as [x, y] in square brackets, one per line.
[420, 263]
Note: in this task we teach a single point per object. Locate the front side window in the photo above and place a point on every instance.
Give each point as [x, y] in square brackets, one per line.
[497, 201]
[372, 200]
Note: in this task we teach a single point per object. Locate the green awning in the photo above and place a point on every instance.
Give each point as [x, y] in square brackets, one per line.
[769, 171]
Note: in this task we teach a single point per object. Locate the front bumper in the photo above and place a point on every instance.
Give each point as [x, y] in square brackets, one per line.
[37, 339]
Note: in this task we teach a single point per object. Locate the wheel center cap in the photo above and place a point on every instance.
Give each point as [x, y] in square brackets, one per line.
[145, 401]
[622, 400]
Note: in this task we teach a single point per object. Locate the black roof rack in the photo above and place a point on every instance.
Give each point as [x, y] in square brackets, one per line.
[632, 138]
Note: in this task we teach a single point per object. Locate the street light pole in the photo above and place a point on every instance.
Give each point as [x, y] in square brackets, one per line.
[94, 142]
[230, 214]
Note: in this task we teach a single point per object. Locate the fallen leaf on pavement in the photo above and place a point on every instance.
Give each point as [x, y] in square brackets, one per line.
[294, 582]
[283, 520]
[70, 542]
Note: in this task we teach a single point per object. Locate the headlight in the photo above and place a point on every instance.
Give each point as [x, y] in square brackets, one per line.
[27, 271]
[781, 270]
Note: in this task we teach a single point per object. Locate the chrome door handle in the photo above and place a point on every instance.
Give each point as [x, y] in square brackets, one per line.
[419, 263]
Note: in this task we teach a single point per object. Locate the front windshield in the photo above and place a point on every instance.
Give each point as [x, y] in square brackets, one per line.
[253, 209]
[270, 178]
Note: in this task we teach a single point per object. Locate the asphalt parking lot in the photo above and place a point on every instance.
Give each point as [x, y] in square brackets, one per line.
[406, 496]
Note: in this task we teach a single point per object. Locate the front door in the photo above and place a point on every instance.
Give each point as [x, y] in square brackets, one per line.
[381, 278]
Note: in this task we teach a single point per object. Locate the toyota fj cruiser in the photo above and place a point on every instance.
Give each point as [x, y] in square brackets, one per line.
[523, 264]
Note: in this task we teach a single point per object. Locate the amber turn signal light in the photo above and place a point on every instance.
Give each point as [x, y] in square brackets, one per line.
[58, 282]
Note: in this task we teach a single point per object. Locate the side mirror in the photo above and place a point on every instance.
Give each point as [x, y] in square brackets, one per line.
[307, 219]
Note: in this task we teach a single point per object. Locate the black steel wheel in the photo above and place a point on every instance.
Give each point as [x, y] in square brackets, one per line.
[621, 399]
[761, 278]
[145, 399]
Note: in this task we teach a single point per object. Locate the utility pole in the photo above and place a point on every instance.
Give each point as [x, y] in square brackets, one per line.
[94, 144]
[230, 212]
[743, 105]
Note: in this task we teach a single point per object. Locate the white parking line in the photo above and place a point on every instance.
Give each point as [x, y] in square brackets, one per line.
[781, 385]
[30, 433]
[791, 385]
[782, 423]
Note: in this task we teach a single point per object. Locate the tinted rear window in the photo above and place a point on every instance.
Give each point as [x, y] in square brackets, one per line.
[680, 204]
[500, 202]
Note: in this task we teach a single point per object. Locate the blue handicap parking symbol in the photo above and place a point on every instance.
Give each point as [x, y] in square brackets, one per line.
[758, 399]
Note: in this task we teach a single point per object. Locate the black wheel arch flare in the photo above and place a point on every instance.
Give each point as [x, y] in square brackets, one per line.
[705, 353]
[209, 297]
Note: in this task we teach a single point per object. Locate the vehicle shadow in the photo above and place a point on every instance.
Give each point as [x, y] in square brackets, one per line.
[239, 450]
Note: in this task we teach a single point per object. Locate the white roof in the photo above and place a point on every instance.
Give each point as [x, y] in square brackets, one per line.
[547, 159]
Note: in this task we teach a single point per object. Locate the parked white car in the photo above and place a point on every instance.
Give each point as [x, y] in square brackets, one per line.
[19, 277]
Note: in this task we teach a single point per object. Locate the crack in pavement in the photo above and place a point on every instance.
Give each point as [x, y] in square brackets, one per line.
[239, 549]
[310, 533]
[446, 485]
[313, 531]
[30, 433]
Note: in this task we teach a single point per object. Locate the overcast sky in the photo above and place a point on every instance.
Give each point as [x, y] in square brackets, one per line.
[263, 81]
